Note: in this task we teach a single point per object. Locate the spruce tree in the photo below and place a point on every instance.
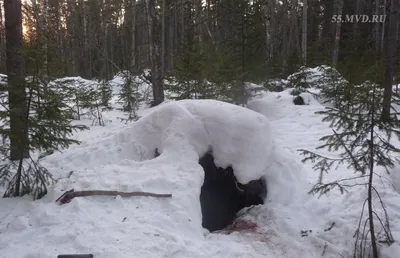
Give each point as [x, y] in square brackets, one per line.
[129, 96]
[363, 142]
[85, 97]
[300, 81]
[334, 89]
[49, 129]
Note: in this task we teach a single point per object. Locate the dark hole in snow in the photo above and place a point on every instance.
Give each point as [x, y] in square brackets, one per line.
[156, 153]
[298, 100]
[222, 196]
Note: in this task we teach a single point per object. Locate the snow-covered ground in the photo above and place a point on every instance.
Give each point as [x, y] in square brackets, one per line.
[119, 157]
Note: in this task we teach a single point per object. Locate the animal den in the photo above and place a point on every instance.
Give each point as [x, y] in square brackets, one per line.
[233, 145]
[222, 196]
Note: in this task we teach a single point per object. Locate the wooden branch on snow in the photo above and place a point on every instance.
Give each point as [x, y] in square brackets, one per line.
[69, 195]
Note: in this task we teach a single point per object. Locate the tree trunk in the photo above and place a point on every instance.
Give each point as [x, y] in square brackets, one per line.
[198, 20]
[105, 45]
[377, 27]
[183, 27]
[339, 8]
[45, 38]
[304, 34]
[391, 59]
[383, 26]
[171, 34]
[60, 40]
[358, 11]
[134, 31]
[266, 20]
[163, 39]
[16, 80]
[156, 73]
[295, 31]
[2, 43]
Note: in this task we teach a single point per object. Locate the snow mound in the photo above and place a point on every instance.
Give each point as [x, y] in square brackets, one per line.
[187, 129]
[123, 160]
[183, 131]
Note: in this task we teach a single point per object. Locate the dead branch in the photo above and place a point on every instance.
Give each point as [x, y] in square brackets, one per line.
[69, 195]
[333, 224]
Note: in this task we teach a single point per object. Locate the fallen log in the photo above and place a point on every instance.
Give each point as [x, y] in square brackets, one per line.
[69, 195]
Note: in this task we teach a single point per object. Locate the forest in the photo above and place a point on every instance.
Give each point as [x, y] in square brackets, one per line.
[141, 71]
[212, 39]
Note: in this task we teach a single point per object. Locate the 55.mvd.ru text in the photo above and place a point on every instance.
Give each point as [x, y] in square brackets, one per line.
[358, 18]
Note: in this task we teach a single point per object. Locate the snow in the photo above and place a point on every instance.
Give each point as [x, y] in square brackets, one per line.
[395, 174]
[144, 88]
[78, 81]
[3, 79]
[187, 129]
[262, 141]
[296, 127]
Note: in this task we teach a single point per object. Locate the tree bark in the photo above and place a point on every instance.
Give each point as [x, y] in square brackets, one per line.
[391, 51]
[198, 20]
[16, 81]
[304, 33]
[377, 27]
[163, 39]
[358, 10]
[339, 8]
[156, 73]
[171, 34]
[45, 37]
[2, 43]
[383, 26]
[133, 49]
